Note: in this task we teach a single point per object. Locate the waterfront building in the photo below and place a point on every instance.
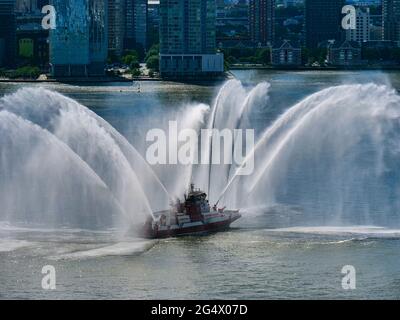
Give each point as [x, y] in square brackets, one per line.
[153, 23]
[380, 52]
[286, 53]
[98, 36]
[347, 53]
[136, 24]
[391, 20]
[323, 21]
[261, 21]
[232, 22]
[7, 32]
[78, 46]
[32, 39]
[362, 31]
[188, 39]
[116, 26]
[127, 25]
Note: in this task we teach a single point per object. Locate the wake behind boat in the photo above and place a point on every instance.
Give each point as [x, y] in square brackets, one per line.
[194, 216]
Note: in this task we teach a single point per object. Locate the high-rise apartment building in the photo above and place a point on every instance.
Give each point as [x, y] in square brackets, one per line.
[127, 25]
[261, 21]
[363, 22]
[116, 26]
[153, 23]
[188, 39]
[136, 24]
[391, 20]
[323, 21]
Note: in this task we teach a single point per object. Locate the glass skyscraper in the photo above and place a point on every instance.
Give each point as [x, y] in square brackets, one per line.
[136, 24]
[78, 44]
[188, 39]
[98, 36]
[116, 26]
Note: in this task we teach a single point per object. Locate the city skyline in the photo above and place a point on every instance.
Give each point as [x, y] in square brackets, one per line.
[202, 31]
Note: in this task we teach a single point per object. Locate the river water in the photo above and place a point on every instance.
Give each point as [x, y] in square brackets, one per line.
[327, 199]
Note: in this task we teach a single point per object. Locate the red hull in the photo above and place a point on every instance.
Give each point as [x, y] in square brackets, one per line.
[193, 230]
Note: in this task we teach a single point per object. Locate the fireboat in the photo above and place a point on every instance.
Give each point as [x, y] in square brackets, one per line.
[194, 216]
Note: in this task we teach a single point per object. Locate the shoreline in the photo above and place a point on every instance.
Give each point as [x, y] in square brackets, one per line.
[78, 80]
[228, 75]
[99, 80]
[349, 68]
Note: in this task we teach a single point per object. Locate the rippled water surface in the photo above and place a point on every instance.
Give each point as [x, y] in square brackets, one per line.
[293, 246]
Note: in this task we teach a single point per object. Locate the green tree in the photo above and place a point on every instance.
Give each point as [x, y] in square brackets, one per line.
[153, 62]
[135, 72]
[396, 54]
[263, 56]
[131, 61]
[314, 55]
[153, 51]
[25, 72]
